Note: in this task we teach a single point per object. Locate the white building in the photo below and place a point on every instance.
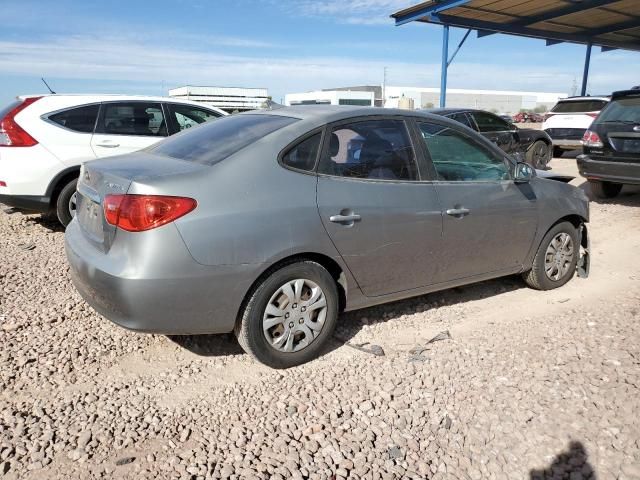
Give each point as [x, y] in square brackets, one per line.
[330, 97]
[502, 101]
[229, 99]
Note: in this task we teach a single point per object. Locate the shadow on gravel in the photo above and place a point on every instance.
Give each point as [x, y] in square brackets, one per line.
[571, 464]
[50, 222]
[352, 321]
[209, 345]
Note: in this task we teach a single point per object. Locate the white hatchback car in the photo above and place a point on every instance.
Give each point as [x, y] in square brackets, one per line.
[567, 121]
[45, 139]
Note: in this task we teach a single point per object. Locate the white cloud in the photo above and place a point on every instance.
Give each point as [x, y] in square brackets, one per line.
[353, 12]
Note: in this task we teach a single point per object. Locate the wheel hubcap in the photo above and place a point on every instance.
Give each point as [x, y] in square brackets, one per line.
[295, 315]
[72, 205]
[558, 257]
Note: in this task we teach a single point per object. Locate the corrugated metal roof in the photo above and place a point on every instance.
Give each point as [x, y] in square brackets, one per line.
[606, 23]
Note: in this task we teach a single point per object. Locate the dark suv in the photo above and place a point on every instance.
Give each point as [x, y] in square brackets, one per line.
[611, 146]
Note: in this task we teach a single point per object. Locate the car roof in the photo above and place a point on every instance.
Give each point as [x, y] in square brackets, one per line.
[332, 113]
[625, 93]
[605, 98]
[105, 97]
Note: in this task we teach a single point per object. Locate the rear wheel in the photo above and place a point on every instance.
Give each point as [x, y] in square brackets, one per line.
[290, 316]
[557, 152]
[556, 259]
[604, 189]
[539, 155]
[66, 203]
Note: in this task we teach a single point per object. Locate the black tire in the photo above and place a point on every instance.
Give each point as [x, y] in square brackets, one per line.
[539, 154]
[557, 152]
[63, 211]
[249, 329]
[605, 189]
[537, 277]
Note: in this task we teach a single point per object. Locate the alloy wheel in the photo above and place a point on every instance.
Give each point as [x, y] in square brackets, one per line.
[72, 204]
[559, 256]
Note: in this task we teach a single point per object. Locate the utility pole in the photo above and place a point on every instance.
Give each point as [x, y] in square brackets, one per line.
[384, 85]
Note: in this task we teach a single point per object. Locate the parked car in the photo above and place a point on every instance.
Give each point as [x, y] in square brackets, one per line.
[567, 121]
[44, 139]
[527, 117]
[534, 145]
[611, 146]
[268, 225]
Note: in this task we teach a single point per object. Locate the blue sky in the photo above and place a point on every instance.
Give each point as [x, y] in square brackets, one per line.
[287, 46]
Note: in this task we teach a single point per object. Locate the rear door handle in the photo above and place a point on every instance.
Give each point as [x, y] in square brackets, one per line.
[108, 145]
[344, 218]
[458, 212]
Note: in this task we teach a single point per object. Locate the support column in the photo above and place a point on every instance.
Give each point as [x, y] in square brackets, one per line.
[585, 74]
[445, 61]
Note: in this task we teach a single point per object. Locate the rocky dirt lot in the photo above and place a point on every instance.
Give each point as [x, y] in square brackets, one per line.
[530, 385]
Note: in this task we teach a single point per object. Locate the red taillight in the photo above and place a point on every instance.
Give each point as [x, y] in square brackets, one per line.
[591, 139]
[137, 213]
[3, 183]
[592, 115]
[12, 134]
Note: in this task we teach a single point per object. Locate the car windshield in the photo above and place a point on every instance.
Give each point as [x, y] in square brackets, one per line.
[579, 106]
[623, 110]
[212, 142]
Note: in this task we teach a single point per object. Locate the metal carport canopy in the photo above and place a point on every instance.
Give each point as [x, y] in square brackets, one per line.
[610, 24]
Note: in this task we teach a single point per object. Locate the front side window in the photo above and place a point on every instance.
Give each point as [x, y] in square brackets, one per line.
[488, 122]
[215, 141]
[457, 158]
[187, 116]
[373, 149]
[80, 119]
[303, 156]
[132, 118]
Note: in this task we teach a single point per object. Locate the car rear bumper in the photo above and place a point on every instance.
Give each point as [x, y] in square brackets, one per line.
[174, 296]
[567, 144]
[616, 172]
[27, 203]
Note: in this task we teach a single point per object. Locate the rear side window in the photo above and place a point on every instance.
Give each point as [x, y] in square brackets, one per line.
[187, 116]
[215, 141]
[371, 149]
[132, 118]
[623, 110]
[579, 106]
[80, 119]
[303, 156]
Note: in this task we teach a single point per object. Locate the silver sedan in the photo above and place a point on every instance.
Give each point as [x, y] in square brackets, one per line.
[271, 223]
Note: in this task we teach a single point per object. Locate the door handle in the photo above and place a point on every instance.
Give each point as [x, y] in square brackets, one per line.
[344, 218]
[458, 212]
[108, 145]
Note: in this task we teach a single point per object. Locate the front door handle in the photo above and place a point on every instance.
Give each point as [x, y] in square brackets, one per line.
[458, 212]
[108, 145]
[344, 218]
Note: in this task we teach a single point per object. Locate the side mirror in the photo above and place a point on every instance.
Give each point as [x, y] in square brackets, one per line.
[523, 173]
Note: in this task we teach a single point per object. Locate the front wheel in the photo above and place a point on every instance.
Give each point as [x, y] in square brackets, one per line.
[66, 203]
[290, 316]
[605, 189]
[539, 155]
[556, 259]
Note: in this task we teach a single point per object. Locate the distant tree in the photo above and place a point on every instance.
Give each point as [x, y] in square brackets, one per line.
[428, 105]
[494, 110]
[540, 109]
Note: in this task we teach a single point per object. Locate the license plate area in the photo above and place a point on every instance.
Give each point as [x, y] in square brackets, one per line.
[90, 217]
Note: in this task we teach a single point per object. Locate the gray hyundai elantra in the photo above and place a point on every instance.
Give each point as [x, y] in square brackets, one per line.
[271, 223]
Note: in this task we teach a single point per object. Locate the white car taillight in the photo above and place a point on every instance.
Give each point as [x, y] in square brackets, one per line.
[12, 134]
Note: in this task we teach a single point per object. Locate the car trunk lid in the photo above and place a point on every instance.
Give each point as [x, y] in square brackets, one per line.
[115, 175]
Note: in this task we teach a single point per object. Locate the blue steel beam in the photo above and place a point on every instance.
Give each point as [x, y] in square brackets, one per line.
[431, 11]
[585, 73]
[443, 67]
[466, 35]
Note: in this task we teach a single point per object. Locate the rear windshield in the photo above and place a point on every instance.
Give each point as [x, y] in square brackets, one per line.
[624, 110]
[579, 106]
[212, 142]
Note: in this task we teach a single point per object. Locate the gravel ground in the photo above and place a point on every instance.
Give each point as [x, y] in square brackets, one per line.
[529, 385]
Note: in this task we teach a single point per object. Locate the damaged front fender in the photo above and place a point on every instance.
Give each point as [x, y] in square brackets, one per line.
[584, 260]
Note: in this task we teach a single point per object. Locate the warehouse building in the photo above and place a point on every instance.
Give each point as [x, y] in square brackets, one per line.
[229, 99]
[330, 97]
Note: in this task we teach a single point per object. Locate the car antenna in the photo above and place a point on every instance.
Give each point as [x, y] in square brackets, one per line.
[47, 85]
